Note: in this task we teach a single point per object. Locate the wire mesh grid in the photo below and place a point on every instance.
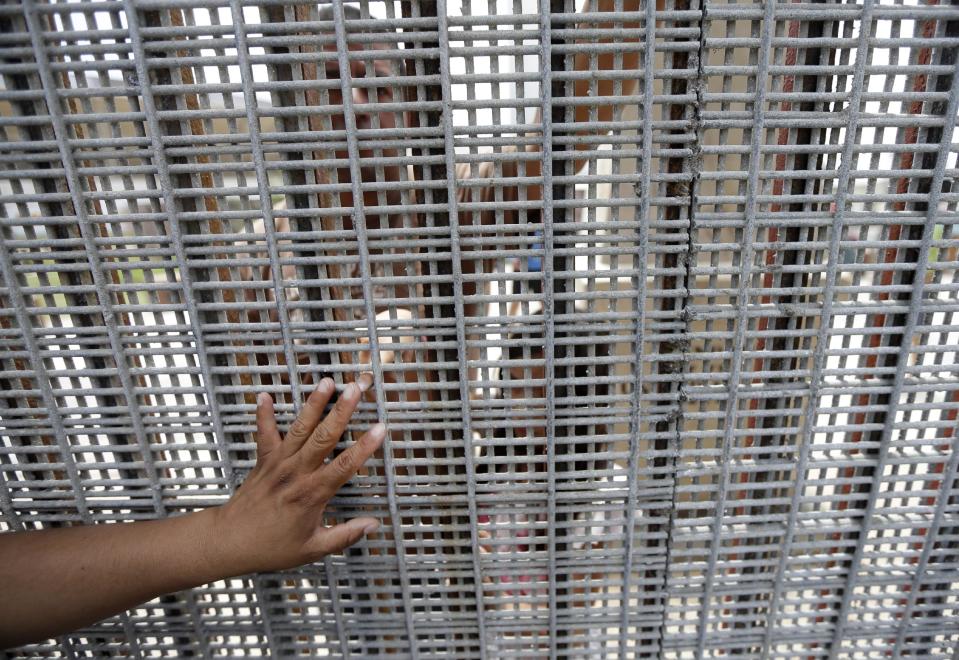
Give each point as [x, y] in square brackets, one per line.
[660, 298]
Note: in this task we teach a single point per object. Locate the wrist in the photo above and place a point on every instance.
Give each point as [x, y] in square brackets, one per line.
[231, 549]
[213, 549]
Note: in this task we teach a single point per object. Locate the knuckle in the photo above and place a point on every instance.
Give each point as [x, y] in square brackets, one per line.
[343, 466]
[298, 428]
[299, 497]
[321, 437]
[283, 480]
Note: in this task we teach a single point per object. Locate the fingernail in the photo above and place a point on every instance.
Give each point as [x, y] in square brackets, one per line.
[263, 398]
[326, 385]
[351, 391]
[370, 528]
[365, 381]
[378, 431]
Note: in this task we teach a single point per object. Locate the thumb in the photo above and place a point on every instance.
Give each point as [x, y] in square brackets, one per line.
[333, 539]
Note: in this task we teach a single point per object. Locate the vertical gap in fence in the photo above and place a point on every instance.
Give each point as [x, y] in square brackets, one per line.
[563, 287]
[556, 287]
[680, 171]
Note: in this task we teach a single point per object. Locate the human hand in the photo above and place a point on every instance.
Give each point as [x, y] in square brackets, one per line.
[274, 521]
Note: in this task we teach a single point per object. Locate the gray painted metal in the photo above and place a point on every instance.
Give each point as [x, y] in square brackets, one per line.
[667, 350]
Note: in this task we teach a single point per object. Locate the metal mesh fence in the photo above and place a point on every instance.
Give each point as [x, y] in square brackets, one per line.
[661, 301]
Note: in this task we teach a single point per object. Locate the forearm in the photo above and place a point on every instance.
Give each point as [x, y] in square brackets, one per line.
[58, 580]
[55, 581]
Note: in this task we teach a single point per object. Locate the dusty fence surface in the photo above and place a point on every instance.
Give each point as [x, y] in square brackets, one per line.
[660, 297]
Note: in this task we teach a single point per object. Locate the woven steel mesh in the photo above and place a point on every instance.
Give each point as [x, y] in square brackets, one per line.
[661, 301]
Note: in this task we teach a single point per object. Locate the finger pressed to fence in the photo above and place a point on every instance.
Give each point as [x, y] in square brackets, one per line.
[309, 417]
[324, 437]
[343, 467]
